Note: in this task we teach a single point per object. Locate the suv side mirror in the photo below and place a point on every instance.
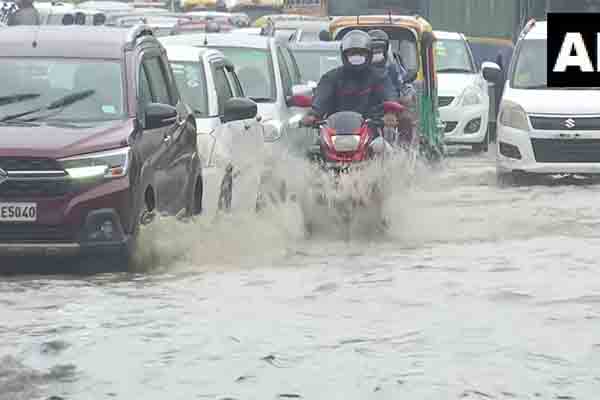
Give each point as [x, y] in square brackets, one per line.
[159, 115]
[239, 108]
[491, 72]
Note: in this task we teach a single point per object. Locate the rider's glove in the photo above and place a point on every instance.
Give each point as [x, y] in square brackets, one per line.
[309, 120]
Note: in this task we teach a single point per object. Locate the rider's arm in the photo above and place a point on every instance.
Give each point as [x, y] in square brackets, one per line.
[324, 99]
[376, 99]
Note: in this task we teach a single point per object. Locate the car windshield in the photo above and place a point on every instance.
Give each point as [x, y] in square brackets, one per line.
[255, 71]
[530, 68]
[36, 83]
[189, 77]
[452, 55]
[314, 64]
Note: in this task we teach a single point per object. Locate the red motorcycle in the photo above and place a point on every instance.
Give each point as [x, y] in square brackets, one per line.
[346, 142]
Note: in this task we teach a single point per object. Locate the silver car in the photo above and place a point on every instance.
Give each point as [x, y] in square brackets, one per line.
[270, 76]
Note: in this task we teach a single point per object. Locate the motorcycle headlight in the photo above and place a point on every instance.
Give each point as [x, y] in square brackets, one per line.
[272, 130]
[106, 164]
[513, 116]
[471, 96]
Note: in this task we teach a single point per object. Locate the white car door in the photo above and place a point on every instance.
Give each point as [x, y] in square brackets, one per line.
[249, 152]
[299, 137]
[234, 167]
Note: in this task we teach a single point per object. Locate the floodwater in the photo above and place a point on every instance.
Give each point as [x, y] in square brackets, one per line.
[476, 292]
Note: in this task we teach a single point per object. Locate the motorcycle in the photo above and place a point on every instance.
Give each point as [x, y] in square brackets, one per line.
[346, 145]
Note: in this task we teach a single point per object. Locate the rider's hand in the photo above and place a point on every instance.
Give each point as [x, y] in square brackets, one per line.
[309, 120]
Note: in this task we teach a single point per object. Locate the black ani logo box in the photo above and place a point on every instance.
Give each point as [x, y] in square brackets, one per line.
[573, 49]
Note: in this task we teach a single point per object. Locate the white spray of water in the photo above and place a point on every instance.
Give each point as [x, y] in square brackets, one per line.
[423, 205]
[245, 237]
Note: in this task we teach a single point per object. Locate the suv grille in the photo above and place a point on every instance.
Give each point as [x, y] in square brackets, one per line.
[28, 233]
[444, 101]
[564, 151]
[29, 164]
[34, 188]
[33, 177]
[565, 123]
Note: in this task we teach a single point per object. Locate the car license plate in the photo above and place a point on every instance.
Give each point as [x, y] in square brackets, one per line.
[18, 212]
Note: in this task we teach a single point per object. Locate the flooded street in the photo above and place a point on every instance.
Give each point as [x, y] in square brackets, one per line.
[477, 292]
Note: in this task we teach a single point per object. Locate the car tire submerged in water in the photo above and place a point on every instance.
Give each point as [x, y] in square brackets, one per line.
[197, 198]
[226, 193]
[506, 179]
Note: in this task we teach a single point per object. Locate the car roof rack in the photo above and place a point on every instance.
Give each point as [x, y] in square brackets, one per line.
[136, 32]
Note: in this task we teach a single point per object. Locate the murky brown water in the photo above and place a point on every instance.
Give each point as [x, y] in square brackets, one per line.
[478, 292]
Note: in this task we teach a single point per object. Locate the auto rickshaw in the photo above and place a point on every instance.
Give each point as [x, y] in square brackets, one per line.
[412, 42]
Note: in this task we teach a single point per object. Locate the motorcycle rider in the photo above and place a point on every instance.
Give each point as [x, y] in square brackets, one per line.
[355, 86]
[381, 63]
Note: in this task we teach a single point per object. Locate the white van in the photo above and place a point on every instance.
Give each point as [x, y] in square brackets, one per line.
[541, 130]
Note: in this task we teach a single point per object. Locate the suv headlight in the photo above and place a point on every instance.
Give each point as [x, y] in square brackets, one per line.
[272, 130]
[471, 96]
[513, 116]
[107, 164]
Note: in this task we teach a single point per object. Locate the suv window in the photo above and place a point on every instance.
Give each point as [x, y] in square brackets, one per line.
[235, 83]
[145, 95]
[224, 91]
[157, 77]
[293, 68]
[285, 74]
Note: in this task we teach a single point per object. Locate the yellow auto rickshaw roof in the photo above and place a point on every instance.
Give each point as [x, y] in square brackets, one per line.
[416, 22]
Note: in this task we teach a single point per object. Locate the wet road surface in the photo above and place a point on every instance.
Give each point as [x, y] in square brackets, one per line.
[477, 292]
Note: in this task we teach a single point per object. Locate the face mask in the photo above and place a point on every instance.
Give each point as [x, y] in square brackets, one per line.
[357, 60]
[378, 58]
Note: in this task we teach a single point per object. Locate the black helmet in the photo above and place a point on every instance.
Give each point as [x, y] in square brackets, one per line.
[381, 45]
[357, 51]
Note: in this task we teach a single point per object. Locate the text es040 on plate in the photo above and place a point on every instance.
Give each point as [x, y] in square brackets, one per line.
[18, 212]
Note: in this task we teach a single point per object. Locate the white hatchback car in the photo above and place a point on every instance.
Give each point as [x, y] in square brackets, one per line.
[463, 97]
[230, 139]
[541, 130]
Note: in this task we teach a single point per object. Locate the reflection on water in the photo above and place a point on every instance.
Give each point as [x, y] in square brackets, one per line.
[474, 292]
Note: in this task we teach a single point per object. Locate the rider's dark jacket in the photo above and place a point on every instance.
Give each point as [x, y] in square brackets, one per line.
[343, 90]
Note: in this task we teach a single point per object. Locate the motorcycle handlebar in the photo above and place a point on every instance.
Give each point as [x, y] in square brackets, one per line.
[315, 124]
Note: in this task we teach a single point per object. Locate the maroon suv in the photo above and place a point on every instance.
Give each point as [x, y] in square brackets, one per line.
[93, 140]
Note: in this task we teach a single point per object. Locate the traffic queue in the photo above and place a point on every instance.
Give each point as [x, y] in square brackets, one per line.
[113, 113]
